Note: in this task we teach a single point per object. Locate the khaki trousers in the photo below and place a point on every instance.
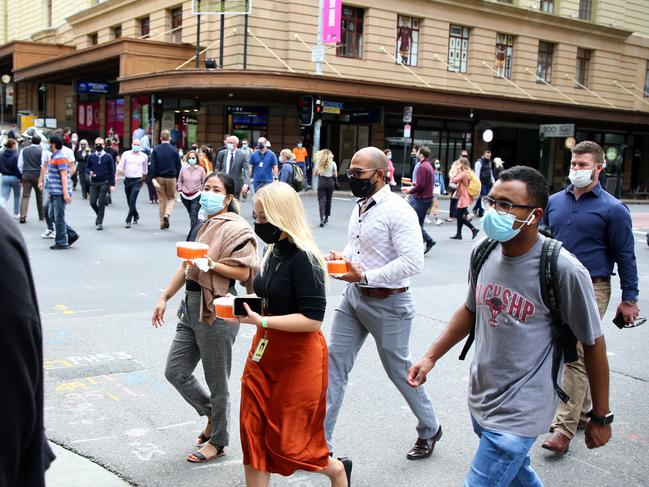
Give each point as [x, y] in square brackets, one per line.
[30, 181]
[166, 189]
[575, 380]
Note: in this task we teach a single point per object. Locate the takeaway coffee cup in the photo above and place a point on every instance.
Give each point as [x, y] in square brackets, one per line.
[191, 250]
[224, 307]
[337, 268]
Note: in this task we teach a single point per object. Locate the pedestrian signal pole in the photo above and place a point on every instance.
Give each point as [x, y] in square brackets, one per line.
[319, 55]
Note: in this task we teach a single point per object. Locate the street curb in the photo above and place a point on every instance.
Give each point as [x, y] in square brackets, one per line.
[70, 466]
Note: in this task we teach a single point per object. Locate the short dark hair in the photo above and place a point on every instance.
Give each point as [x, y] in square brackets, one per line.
[486, 150]
[424, 151]
[589, 147]
[11, 143]
[36, 139]
[538, 191]
[56, 140]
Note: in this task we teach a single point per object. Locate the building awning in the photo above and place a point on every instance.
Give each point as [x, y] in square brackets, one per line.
[220, 83]
[108, 61]
[18, 54]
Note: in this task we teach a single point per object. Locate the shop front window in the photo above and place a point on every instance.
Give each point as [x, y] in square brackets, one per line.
[407, 40]
[351, 32]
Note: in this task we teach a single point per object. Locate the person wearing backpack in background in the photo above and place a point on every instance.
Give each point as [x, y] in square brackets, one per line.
[327, 172]
[512, 384]
[598, 230]
[461, 179]
[484, 171]
[290, 173]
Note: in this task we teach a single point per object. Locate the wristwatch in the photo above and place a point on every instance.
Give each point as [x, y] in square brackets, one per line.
[363, 280]
[602, 420]
[630, 302]
[212, 263]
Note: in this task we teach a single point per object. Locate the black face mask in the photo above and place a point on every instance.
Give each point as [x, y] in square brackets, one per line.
[268, 232]
[361, 188]
[99, 147]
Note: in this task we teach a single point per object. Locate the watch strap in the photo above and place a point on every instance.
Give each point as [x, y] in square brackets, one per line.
[602, 420]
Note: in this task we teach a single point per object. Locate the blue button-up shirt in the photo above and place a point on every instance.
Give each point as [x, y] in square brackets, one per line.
[597, 229]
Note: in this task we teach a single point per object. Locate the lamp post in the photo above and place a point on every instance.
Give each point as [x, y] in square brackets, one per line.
[5, 81]
[43, 91]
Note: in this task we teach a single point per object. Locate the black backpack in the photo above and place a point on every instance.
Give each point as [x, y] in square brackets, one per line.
[550, 293]
[297, 178]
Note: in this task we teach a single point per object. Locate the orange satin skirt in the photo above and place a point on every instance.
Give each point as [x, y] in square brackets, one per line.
[284, 402]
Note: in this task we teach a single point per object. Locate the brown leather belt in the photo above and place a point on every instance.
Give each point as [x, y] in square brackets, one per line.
[380, 292]
[596, 280]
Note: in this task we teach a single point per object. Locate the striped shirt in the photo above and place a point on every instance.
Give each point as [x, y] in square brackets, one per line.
[58, 162]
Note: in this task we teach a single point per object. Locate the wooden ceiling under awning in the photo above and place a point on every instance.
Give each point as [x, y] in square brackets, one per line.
[107, 61]
[282, 86]
[18, 54]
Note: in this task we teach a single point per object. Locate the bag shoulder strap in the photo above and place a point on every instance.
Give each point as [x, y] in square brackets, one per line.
[478, 258]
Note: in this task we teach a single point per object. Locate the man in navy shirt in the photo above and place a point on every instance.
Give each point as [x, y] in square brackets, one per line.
[101, 168]
[597, 229]
[263, 163]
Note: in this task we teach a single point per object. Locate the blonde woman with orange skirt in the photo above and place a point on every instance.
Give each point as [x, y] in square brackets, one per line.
[284, 384]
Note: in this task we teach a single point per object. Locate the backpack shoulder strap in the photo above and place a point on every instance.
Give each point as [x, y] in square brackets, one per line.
[478, 258]
[566, 346]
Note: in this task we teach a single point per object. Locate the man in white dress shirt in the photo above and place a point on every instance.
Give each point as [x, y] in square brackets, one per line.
[383, 250]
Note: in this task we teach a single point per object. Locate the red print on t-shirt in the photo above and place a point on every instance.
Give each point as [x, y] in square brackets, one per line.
[501, 299]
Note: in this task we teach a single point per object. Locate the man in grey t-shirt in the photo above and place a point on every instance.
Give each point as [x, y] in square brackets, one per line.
[511, 393]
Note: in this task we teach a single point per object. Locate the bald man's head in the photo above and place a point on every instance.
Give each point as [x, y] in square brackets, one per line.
[370, 158]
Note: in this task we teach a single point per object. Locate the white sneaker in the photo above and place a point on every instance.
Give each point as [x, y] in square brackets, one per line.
[438, 221]
[17, 216]
[48, 234]
[428, 220]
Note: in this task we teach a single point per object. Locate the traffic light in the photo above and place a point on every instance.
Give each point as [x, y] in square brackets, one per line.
[317, 108]
[305, 110]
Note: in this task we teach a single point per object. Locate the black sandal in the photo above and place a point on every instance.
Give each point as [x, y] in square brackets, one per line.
[347, 463]
[220, 451]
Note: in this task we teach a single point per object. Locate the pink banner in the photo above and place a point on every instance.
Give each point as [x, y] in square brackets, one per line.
[331, 21]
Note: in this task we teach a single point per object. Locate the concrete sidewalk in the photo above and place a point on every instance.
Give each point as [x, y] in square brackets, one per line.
[72, 470]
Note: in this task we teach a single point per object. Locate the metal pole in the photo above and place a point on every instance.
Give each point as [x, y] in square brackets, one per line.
[318, 123]
[198, 34]
[222, 33]
[245, 41]
[405, 154]
[319, 43]
[2, 104]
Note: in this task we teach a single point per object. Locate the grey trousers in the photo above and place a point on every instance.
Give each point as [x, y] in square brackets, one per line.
[388, 321]
[212, 345]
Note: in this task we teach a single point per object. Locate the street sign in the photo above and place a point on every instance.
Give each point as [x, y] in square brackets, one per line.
[334, 107]
[331, 21]
[92, 87]
[407, 114]
[318, 54]
[557, 130]
[220, 7]
[406, 131]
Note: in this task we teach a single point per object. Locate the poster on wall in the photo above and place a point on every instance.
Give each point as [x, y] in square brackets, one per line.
[139, 112]
[115, 116]
[88, 116]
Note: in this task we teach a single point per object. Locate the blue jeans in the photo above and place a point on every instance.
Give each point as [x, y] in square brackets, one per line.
[421, 207]
[502, 460]
[63, 231]
[9, 183]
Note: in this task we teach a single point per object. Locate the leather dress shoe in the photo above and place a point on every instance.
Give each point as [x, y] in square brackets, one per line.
[424, 448]
[558, 443]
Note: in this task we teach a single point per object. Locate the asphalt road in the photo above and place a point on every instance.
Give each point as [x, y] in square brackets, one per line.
[107, 398]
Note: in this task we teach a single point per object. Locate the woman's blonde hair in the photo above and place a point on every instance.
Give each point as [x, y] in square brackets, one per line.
[323, 159]
[287, 154]
[283, 208]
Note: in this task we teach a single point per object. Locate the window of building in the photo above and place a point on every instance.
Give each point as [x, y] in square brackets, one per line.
[408, 40]
[49, 13]
[504, 53]
[583, 66]
[117, 32]
[144, 27]
[458, 48]
[646, 82]
[547, 6]
[351, 31]
[585, 9]
[544, 66]
[177, 25]
[93, 39]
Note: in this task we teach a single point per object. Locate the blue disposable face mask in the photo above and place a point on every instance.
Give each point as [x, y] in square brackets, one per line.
[500, 227]
[212, 203]
[135, 148]
[191, 161]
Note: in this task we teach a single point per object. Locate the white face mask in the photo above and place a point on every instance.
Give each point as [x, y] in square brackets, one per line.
[581, 177]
